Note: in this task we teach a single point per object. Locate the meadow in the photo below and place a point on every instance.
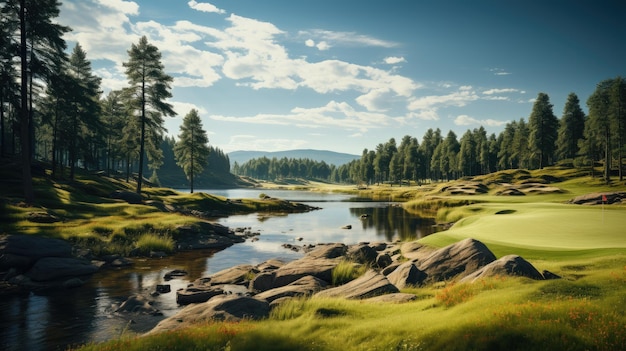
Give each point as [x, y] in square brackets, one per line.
[584, 310]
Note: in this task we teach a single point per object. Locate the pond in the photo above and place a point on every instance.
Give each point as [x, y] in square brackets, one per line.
[57, 320]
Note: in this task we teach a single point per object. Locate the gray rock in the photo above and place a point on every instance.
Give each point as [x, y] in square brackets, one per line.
[383, 260]
[508, 265]
[197, 293]
[137, 304]
[407, 275]
[235, 275]
[305, 286]
[362, 253]
[221, 308]
[21, 251]
[456, 260]
[328, 251]
[320, 268]
[53, 268]
[368, 285]
[128, 196]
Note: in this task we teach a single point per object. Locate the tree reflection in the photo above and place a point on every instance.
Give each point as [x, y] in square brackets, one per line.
[394, 222]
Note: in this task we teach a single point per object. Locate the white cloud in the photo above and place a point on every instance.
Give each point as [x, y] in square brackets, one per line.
[500, 91]
[392, 60]
[204, 7]
[322, 46]
[465, 120]
[126, 7]
[347, 38]
[459, 98]
[310, 43]
[332, 115]
[425, 114]
[499, 72]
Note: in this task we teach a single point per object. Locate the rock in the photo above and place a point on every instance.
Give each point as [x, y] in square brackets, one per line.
[235, 275]
[362, 254]
[42, 217]
[128, 196]
[198, 294]
[414, 250]
[598, 198]
[508, 265]
[292, 271]
[222, 308]
[406, 275]
[393, 298]
[305, 286]
[383, 260]
[73, 283]
[174, 274]
[459, 259]
[547, 275]
[137, 304]
[368, 285]
[53, 268]
[328, 251]
[163, 288]
[21, 251]
[348, 226]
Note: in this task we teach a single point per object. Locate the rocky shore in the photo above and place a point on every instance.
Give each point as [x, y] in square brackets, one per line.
[250, 292]
[35, 263]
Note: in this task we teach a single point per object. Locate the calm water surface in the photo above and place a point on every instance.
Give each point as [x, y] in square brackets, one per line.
[56, 321]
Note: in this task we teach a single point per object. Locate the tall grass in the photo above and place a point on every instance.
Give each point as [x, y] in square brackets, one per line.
[347, 271]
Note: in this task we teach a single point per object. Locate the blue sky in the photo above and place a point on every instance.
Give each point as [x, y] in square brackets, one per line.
[344, 75]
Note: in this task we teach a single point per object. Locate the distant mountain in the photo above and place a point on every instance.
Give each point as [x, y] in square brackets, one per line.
[330, 157]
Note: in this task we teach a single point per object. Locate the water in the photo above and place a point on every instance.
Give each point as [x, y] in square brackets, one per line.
[57, 320]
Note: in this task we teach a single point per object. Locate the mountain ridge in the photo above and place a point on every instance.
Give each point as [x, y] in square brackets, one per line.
[330, 157]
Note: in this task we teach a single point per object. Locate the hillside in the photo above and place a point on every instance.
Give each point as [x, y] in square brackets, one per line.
[330, 157]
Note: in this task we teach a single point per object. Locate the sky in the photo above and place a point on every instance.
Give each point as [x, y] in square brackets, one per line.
[346, 75]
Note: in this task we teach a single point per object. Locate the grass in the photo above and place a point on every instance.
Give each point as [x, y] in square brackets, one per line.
[585, 245]
[347, 271]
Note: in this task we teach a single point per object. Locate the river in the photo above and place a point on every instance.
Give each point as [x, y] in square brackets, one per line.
[55, 321]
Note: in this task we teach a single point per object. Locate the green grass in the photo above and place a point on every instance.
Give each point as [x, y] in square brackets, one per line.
[347, 271]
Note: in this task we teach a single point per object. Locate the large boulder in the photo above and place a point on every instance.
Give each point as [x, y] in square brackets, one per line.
[221, 308]
[196, 293]
[368, 285]
[406, 275]
[235, 275]
[55, 268]
[21, 251]
[320, 268]
[508, 265]
[599, 198]
[362, 253]
[456, 260]
[328, 251]
[305, 286]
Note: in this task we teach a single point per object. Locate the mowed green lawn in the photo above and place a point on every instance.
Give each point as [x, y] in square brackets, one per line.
[542, 227]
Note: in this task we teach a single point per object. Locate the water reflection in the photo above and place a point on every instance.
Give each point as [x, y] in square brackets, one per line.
[393, 222]
[57, 320]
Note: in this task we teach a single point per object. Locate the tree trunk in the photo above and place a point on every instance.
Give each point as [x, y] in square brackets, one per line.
[29, 195]
[143, 136]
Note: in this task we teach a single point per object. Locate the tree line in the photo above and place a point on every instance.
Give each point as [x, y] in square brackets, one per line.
[52, 107]
[576, 138]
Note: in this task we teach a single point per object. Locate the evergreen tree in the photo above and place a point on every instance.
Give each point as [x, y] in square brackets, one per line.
[543, 126]
[84, 120]
[149, 88]
[571, 128]
[600, 123]
[191, 150]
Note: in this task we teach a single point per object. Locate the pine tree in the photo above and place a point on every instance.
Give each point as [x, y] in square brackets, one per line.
[571, 128]
[543, 126]
[191, 150]
[149, 88]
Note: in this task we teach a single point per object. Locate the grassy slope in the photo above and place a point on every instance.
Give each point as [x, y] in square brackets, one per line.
[582, 311]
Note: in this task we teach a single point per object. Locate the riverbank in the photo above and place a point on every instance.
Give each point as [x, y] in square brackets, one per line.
[517, 212]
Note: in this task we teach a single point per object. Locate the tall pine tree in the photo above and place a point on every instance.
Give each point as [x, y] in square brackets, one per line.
[571, 128]
[191, 150]
[543, 126]
[149, 88]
